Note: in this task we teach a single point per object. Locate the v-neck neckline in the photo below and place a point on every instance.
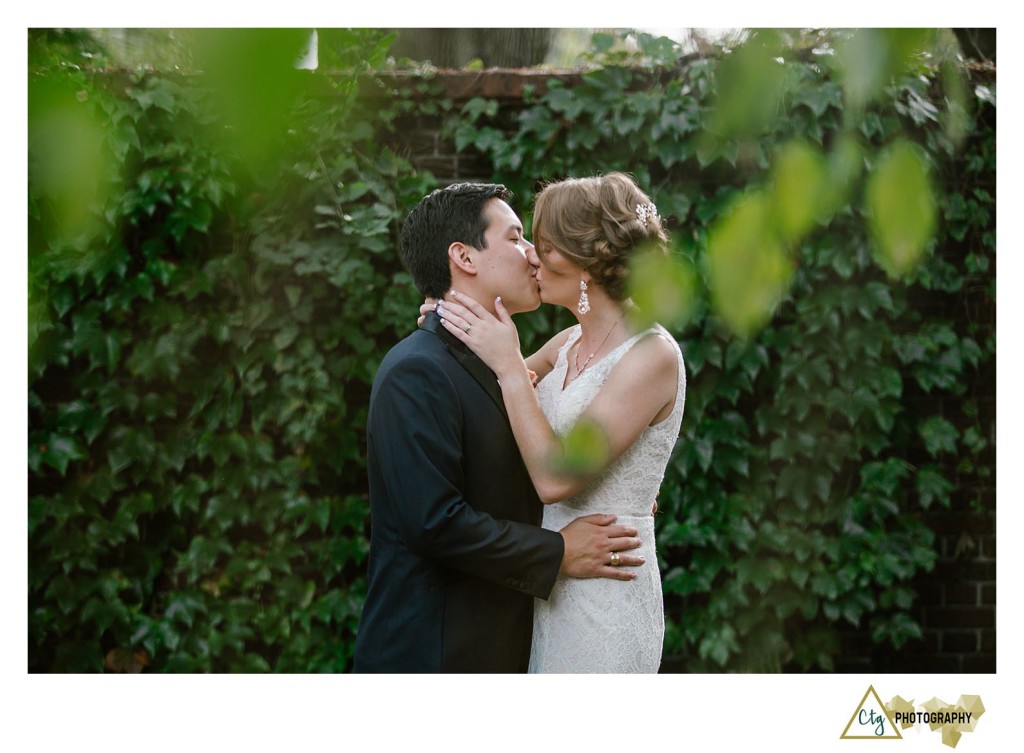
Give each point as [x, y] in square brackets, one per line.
[573, 340]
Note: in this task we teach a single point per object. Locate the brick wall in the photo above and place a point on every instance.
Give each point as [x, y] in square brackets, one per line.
[956, 601]
[956, 605]
[418, 138]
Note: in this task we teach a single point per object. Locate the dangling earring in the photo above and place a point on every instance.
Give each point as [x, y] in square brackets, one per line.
[584, 305]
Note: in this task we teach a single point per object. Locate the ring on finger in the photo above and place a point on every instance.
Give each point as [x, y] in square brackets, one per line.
[468, 327]
[615, 559]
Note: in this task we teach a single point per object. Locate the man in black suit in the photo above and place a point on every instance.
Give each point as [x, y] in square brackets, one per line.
[456, 554]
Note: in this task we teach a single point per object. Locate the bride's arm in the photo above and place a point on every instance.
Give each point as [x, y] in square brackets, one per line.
[540, 363]
[641, 389]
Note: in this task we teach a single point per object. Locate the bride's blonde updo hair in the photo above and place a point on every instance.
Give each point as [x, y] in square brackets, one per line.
[597, 223]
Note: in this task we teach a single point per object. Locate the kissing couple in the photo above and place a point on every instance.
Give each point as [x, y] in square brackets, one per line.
[486, 554]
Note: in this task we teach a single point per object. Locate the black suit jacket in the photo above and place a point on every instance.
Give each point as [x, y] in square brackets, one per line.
[456, 554]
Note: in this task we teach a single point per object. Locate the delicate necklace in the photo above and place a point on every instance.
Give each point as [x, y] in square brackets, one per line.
[576, 358]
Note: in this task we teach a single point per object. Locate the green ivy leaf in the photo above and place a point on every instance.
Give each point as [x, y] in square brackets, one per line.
[932, 486]
[939, 436]
[59, 450]
[565, 101]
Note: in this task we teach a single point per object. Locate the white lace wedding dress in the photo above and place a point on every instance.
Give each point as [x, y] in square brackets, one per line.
[598, 624]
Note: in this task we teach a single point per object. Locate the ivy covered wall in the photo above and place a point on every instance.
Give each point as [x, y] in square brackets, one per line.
[204, 330]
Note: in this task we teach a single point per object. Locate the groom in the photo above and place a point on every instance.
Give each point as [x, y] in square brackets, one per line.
[456, 554]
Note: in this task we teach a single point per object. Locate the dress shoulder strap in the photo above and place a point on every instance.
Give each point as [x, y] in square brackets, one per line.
[574, 335]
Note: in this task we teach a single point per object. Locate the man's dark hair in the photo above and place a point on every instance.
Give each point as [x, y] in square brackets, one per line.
[450, 214]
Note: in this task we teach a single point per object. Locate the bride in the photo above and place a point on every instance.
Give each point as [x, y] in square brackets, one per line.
[631, 385]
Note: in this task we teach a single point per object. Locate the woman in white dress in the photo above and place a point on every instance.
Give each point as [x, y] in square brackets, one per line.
[629, 384]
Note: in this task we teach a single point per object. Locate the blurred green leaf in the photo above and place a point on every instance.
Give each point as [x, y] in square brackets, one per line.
[67, 164]
[748, 267]
[901, 209]
[798, 176]
[664, 288]
[750, 87]
[844, 165]
[584, 450]
[256, 84]
[868, 59]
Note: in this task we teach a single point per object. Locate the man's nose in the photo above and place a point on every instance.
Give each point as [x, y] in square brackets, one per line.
[531, 254]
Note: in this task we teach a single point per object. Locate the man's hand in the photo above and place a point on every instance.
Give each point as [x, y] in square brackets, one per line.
[589, 543]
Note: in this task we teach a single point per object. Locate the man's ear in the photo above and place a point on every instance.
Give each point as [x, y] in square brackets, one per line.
[461, 256]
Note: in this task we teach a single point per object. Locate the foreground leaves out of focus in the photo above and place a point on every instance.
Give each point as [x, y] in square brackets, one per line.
[206, 316]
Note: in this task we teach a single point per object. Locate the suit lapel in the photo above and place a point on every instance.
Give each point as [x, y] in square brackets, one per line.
[468, 360]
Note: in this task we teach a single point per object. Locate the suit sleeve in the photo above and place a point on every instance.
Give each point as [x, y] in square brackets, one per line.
[415, 429]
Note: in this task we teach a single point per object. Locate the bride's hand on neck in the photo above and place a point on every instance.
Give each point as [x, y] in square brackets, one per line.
[494, 339]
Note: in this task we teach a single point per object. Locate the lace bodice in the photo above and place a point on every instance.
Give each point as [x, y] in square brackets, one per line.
[630, 485]
[598, 624]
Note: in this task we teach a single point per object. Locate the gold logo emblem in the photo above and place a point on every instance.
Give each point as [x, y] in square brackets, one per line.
[871, 720]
